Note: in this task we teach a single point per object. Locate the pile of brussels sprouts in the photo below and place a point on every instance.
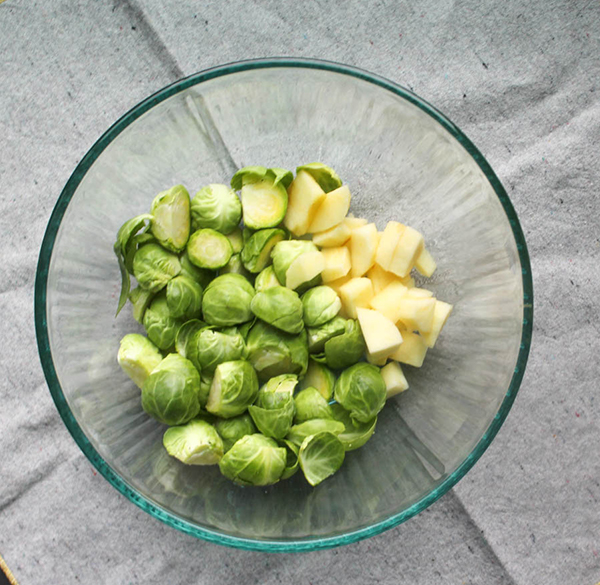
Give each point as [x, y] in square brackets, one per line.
[258, 377]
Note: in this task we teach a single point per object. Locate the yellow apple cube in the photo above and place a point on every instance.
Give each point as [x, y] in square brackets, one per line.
[355, 222]
[419, 293]
[363, 247]
[425, 264]
[337, 263]
[357, 292]
[408, 281]
[416, 313]
[305, 196]
[380, 278]
[394, 378]
[337, 284]
[441, 313]
[388, 243]
[304, 268]
[336, 236]
[407, 251]
[332, 211]
[382, 338]
[387, 302]
[412, 351]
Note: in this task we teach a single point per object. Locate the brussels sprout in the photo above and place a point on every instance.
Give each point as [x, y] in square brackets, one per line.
[244, 328]
[320, 305]
[344, 350]
[256, 253]
[273, 352]
[236, 240]
[153, 267]
[291, 463]
[136, 243]
[266, 279]
[195, 443]
[170, 393]
[184, 297]
[320, 456]
[185, 334]
[227, 300]
[355, 434]
[360, 389]
[249, 175]
[318, 336]
[124, 249]
[233, 429]
[234, 388]
[171, 218]
[205, 384]
[207, 348]
[281, 307]
[274, 410]
[298, 433]
[208, 248]
[285, 252]
[216, 207]
[320, 377]
[309, 405]
[140, 299]
[201, 275]
[235, 266]
[160, 325]
[254, 460]
[277, 392]
[325, 176]
[138, 356]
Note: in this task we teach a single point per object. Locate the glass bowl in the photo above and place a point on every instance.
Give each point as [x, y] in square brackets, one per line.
[403, 160]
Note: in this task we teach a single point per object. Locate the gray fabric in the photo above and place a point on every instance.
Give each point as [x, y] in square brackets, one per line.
[520, 78]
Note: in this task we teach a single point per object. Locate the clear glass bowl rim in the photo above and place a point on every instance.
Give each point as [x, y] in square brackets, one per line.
[71, 423]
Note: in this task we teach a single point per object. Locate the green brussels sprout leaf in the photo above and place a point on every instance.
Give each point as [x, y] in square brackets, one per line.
[310, 404]
[195, 443]
[298, 433]
[320, 456]
[291, 463]
[355, 434]
[140, 299]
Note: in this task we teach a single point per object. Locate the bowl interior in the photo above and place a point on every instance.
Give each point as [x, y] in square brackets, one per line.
[402, 161]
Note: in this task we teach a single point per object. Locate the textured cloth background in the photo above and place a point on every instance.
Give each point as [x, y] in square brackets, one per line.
[520, 78]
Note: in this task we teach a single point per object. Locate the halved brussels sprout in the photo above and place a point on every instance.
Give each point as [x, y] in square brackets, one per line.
[291, 463]
[201, 275]
[233, 429]
[208, 248]
[208, 348]
[235, 266]
[285, 252]
[320, 377]
[299, 432]
[234, 388]
[227, 300]
[160, 324]
[273, 352]
[171, 213]
[360, 389]
[138, 357]
[320, 456]
[346, 349]
[153, 267]
[195, 443]
[274, 410]
[185, 334]
[325, 176]
[254, 460]
[319, 336]
[256, 253]
[170, 393]
[310, 405]
[355, 434]
[184, 297]
[320, 305]
[266, 279]
[217, 207]
[140, 299]
[279, 306]
[277, 392]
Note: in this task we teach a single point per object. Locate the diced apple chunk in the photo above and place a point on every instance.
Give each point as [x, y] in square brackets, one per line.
[337, 263]
[357, 292]
[363, 247]
[408, 281]
[441, 313]
[355, 222]
[387, 244]
[387, 302]
[419, 293]
[412, 351]
[304, 268]
[338, 235]
[382, 338]
[408, 249]
[394, 378]
[332, 211]
[416, 313]
[380, 278]
[337, 284]
[425, 264]
[380, 362]
[305, 196]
